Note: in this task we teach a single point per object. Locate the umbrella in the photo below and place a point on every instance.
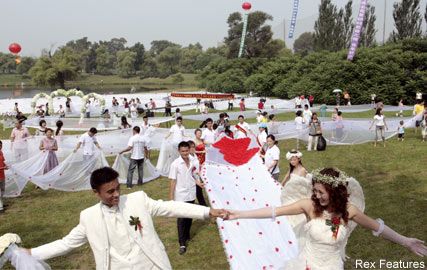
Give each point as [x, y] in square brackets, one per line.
[337, 91]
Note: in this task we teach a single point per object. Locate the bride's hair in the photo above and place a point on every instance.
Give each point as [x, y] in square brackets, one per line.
[338, 196]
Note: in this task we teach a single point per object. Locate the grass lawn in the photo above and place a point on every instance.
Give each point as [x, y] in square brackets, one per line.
[394, 180]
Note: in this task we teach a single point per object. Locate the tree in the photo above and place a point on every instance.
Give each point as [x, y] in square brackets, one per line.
[189, 58]
[82, 48]
[55, 70]
[178, 79]
[348, 24]
[367, 36]
[139, 49]
[25, 65]
[7, 63]
[304, 44]
[259, 37]
[158, 46]
[104, 60]
[407, 20]
[168, 61]
[333, 28]
[324, 27]
[149, 67]
[126, 63]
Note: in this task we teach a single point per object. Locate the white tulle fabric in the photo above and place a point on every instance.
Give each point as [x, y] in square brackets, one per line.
[72, 174]
[248, 243]
[318, 250]
[21, 260]
[121, 165]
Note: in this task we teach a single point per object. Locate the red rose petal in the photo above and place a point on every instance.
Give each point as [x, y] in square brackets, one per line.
[260, 233]
[250, 251]
[277, 249]
[290, 242]
[237, 223]
[278, 222]
[231, 256]
[226, 241]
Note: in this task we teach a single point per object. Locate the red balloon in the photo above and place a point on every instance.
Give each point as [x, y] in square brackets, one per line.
[14, 48]
[246, 6]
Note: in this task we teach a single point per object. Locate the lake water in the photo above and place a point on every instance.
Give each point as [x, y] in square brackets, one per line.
[28, 91]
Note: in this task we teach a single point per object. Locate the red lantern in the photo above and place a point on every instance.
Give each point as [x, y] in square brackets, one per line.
[246, 6]
[14, 48]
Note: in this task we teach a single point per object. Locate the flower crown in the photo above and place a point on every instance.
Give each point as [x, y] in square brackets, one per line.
[327, 179]
[293, 153]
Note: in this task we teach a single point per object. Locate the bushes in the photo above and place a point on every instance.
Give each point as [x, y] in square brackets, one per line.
[391, 72]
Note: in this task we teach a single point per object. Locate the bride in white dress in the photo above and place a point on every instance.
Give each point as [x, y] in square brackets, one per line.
[331, 216]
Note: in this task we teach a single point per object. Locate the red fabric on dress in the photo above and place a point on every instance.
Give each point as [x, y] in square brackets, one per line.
[236, 152]
[201, 156]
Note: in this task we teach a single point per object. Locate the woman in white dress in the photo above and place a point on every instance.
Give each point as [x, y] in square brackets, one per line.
[331, 217]
[296, 169]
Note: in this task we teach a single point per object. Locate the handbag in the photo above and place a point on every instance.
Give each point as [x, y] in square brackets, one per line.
[321, 144]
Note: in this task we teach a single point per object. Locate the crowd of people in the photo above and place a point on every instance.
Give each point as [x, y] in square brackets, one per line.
[329, 201]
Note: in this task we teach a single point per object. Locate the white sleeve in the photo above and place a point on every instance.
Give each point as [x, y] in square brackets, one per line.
[173, 171]
[82, 139]
[174, 209]
[130, 142]
[276, 154]
[203, 134]
[75, 239]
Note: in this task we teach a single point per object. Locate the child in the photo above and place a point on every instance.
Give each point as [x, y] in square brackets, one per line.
[3, 167]
[400, 131]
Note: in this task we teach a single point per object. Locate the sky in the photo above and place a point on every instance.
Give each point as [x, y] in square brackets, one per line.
[39, 24]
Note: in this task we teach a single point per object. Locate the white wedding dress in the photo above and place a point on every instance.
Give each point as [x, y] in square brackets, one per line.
[319, 250]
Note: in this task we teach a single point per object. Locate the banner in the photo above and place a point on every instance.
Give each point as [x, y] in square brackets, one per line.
[357, 30]
[294, 19]
[242, 41]
[200, 95]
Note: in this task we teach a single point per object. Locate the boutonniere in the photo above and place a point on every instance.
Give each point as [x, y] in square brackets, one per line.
[134, 221]
[335, 225]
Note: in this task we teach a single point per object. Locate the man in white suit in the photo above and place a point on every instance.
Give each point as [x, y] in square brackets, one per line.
[120, 229]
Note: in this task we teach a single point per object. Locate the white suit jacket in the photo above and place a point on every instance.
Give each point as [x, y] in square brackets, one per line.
[92, 229]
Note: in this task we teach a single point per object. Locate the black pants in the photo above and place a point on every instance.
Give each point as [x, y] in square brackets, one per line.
[230, 106]
[184, 226]
[132, 166]
[199, 196]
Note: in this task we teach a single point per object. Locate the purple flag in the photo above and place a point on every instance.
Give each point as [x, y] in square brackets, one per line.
[357, 30]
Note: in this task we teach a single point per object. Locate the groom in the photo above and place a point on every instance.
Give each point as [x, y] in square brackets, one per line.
[120, 229]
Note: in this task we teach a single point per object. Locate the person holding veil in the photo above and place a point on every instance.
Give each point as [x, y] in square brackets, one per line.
[333, 207]
[50, 145]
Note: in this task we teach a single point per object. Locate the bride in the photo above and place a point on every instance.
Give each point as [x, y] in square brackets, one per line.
[331, 215]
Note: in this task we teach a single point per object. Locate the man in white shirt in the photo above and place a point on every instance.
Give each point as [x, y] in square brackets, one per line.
[144, 125]
[307, 114]
[184, 177]
[242, 128]
[138, 145]
[89, 141]
[177, 132]
[120, 229]
[208, 134]
[87, 109]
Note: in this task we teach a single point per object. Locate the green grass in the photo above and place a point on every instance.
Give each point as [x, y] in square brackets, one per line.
[394, 180]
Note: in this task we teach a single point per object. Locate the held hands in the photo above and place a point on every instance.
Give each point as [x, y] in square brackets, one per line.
[221, 213]
[416, 246]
